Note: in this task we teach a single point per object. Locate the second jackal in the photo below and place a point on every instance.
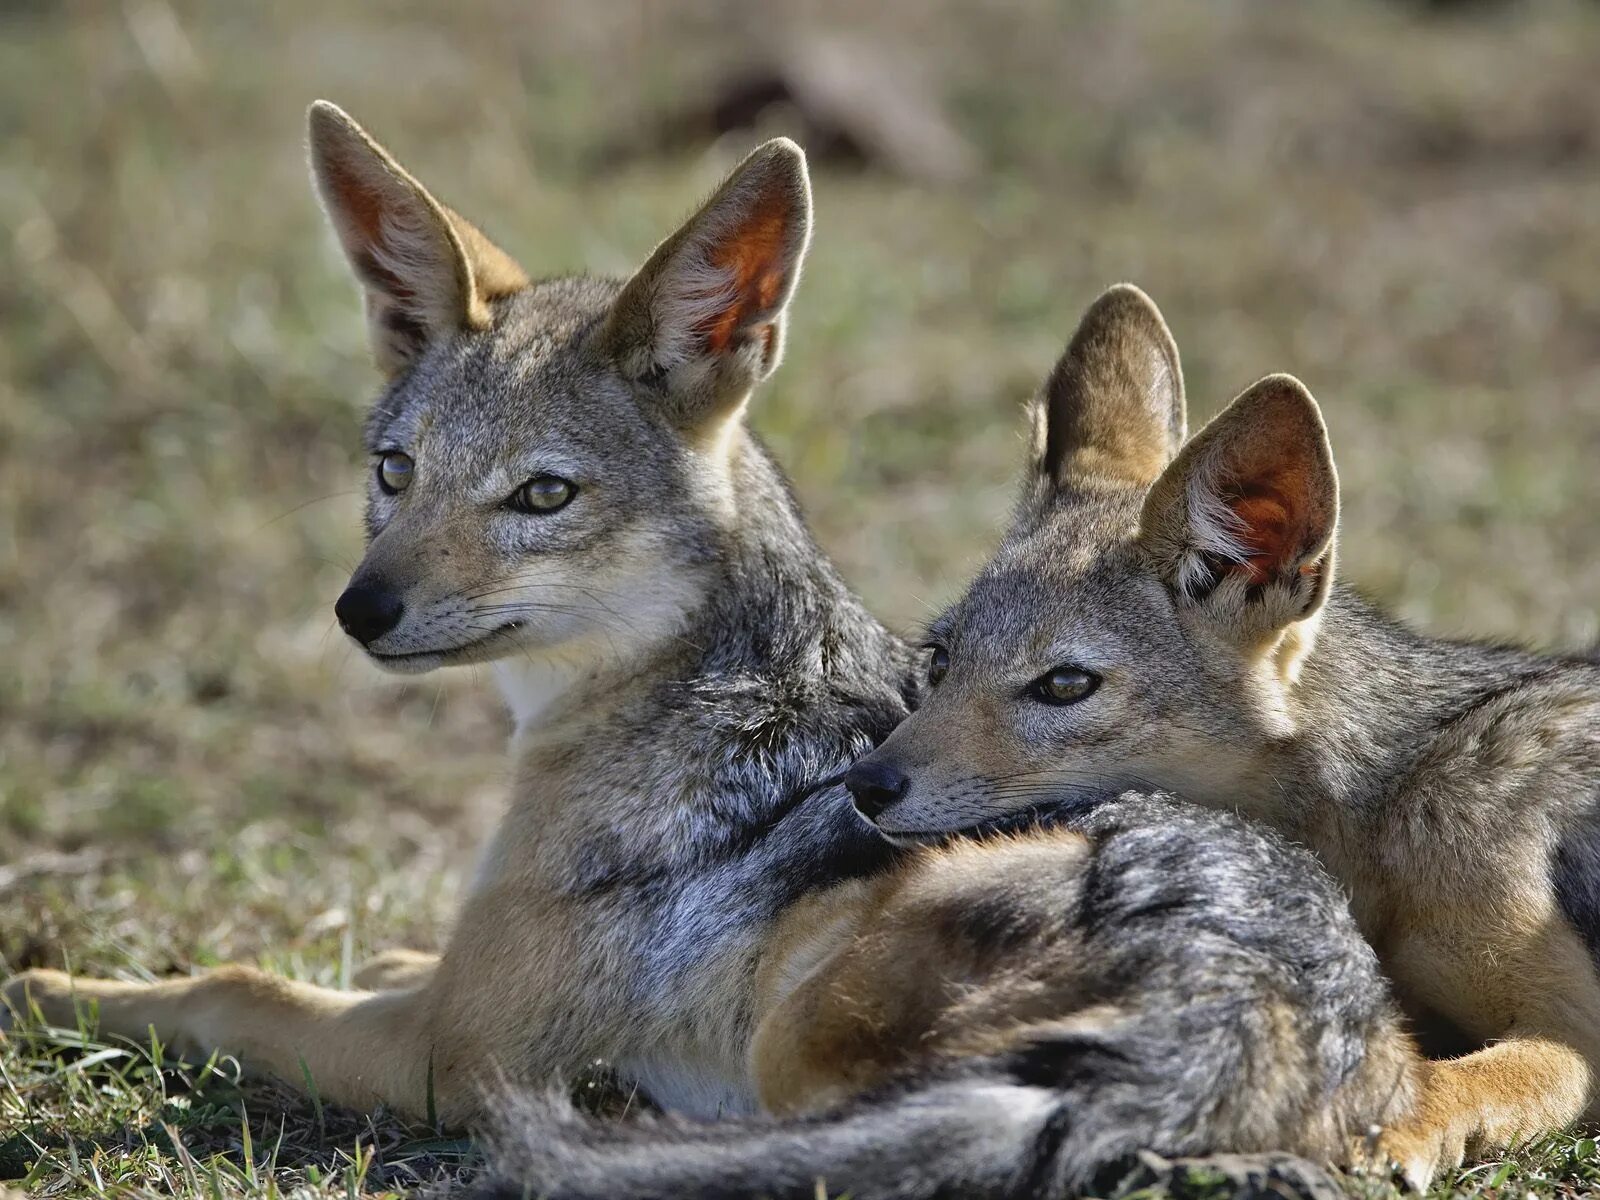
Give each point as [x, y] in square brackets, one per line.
[1165, 615]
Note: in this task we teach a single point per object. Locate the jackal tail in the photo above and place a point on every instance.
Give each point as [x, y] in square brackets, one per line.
[974, 1136]
[988, 1129]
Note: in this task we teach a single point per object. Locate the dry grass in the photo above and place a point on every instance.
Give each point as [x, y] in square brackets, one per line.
[1402, 209]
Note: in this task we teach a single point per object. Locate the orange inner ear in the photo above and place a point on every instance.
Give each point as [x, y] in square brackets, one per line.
[753, 255]
[361, 206]
[1274, 522]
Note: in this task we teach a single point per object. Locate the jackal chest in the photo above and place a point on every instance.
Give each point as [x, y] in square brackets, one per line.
[684, 991]
[702, 1090]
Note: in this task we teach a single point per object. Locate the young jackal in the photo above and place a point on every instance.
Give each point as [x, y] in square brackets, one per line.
[562, 484]
[1164, 615]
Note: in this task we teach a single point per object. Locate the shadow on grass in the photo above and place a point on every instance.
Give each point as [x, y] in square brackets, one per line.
[101, 1118]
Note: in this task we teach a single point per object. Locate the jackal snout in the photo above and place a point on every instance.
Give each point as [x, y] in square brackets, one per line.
[875, 784]
[367, 610]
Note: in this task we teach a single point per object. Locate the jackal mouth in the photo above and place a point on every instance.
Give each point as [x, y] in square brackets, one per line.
[476, 650]
[1020, 821]
[908, 838]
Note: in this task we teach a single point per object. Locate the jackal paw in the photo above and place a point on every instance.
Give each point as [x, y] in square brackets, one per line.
[50, 992]
[1417, 1151]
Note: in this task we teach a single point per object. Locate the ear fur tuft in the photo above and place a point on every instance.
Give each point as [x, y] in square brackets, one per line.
[1245, 517]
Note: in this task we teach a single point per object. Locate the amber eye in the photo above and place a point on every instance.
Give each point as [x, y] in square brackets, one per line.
[1064, 685]
[543, 494]
[394, 472]
[938, 664]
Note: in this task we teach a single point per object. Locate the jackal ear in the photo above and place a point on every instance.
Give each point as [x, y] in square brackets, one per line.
[702, 321]
[1243, 522]
[426, 272]
[1113, 408]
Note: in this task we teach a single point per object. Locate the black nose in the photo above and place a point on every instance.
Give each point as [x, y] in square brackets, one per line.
[366, 613]
[875, 786]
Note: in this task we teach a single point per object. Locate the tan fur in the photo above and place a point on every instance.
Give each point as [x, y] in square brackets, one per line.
[391, 970]
[1120, 358]
[452, 1030]
[1481, 943]
[892, 987]
[1434, 780]
[896, 988]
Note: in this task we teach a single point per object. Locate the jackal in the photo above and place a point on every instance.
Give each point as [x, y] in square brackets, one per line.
[562, 484]
[1164, 615]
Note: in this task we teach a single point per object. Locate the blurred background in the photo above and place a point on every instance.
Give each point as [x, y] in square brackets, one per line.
[1400, 203]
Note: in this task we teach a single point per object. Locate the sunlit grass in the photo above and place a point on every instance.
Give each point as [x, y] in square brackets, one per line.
[194, 768]
[89, 1118]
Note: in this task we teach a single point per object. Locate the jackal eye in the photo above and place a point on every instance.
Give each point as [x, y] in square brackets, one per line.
[1064, 685]
[543, 494]
[394, 473]
[938, 664]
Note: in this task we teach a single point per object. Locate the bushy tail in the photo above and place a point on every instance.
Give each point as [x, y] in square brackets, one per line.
[974, 1136]
[1064, 1114]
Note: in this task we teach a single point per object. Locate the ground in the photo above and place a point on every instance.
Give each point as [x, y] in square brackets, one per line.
[1397, 203]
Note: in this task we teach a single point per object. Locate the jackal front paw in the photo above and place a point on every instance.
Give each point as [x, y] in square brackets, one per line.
[1417, 1150]
[49, 992]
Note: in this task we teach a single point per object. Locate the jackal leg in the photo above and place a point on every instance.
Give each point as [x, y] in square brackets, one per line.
[505, 1000]
[358, 1048]
[827, 1006]
[1538, 996]
[1490, 1100]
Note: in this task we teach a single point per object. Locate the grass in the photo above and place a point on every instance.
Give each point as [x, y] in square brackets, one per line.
[1398, 206]
[126, 1119]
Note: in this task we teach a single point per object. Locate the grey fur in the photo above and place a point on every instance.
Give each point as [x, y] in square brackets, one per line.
[1246, 1005]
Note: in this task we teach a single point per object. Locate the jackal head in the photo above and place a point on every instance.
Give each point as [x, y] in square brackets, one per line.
[1144, 622]
[550, 461]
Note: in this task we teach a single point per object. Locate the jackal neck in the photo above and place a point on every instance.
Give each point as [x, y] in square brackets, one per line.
[699, 755]
[1373, 695]
[775, 604]
[757, 598]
